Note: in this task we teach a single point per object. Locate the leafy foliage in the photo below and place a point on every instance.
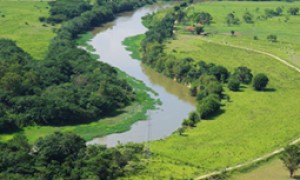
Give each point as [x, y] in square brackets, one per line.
[65, 156]
[260, 81]
[234, 84]
[68, 86]
[291, 158]
[243, 74]
[231, 19]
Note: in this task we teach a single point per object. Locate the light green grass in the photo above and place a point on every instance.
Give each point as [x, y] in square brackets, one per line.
[133, 44]
[253, 123]
[273, 170]
[22, 25]
[288, 34]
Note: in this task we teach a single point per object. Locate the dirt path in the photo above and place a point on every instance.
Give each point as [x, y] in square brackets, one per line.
[277, 151]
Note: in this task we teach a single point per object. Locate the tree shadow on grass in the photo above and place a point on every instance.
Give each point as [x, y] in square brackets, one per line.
[214, 115]
[269, 90]
[296, 177]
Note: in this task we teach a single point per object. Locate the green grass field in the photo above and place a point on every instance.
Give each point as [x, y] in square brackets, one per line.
[253, 123]
[288, 34]
[273, 170]
[19, 22]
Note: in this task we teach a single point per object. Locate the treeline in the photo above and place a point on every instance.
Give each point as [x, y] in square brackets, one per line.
[65, 156]
[206, 81]
[69, 86]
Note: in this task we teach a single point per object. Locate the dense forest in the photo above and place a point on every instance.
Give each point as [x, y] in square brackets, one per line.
[69, 86]
[65, 156]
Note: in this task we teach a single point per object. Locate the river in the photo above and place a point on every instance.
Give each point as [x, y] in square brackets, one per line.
[176, 103]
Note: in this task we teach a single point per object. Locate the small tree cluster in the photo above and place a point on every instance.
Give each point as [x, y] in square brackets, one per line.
[208, 106]
[248, 17]
[273, 12]
[293, 11]
[232, 20]
[203, 18]
[192, 120]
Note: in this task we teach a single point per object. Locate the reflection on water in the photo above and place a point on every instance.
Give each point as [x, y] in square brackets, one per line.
[180, 90]
[176, 103]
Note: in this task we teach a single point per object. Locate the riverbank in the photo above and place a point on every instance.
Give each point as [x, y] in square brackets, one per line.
[119, 121]
[253, 123]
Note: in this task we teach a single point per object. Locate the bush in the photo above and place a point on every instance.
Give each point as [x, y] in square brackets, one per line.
[293, 11]
[260, 81]
[272, 38]
[234, 84]
[243, 74]
[208, 106]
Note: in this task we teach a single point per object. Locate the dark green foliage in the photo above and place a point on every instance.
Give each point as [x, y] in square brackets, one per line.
[260, 81]
[181, 130]
[293, 10]
[234, 84]
[272, 38]
[291, 158]
[65, 156]
[192, 120]
[208, 106]
[203, 18]
[62, 10]
[199, 29]
[243, 74]
[69, 86]
[273, 12]
[232, 20]
[248, 17]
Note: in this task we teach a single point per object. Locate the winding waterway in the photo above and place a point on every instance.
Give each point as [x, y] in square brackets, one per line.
[176, 103]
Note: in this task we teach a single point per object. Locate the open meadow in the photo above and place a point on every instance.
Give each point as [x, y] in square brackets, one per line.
[19, 21]
[253, 35]
[252, 123]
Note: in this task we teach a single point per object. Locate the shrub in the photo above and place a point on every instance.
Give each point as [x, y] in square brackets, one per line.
[243, 74]
[272, 38]
[208, 106]
[234, 84]
[260, 81]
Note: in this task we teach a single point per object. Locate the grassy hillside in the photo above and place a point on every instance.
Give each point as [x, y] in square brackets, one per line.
[253, 123]
[20, 22]
[285, 26]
